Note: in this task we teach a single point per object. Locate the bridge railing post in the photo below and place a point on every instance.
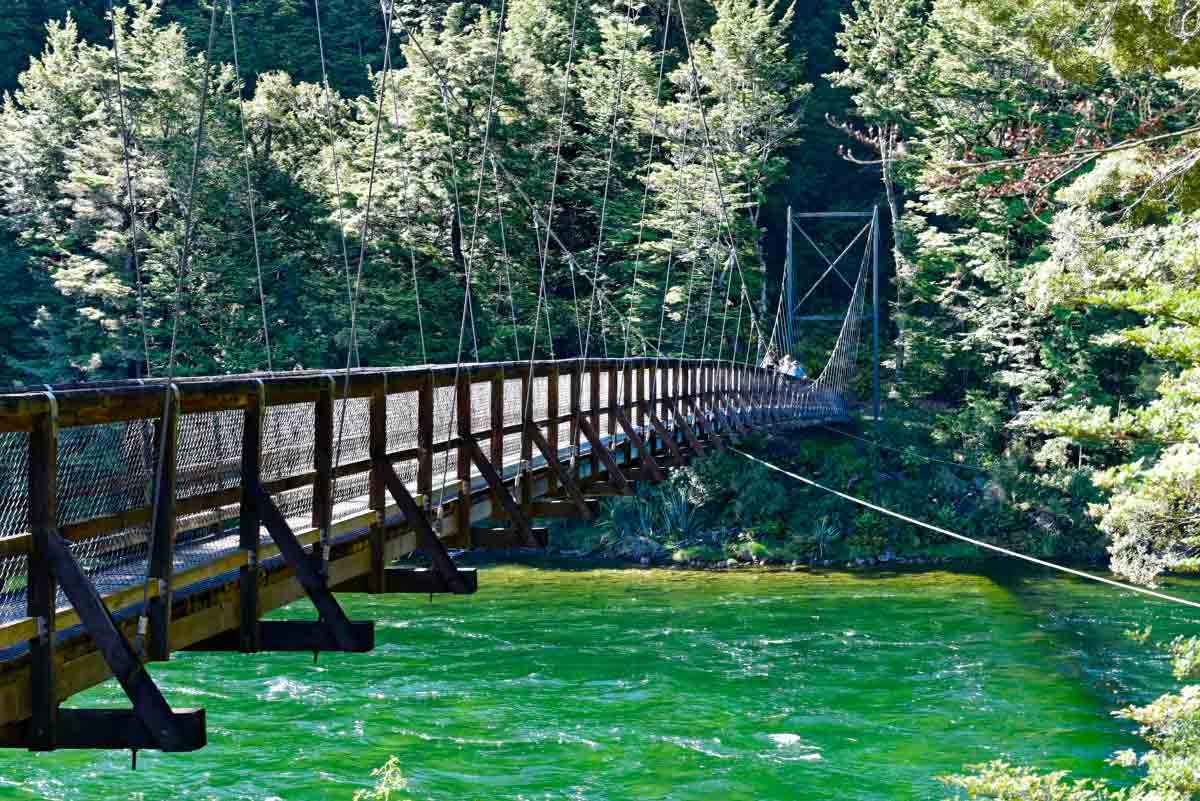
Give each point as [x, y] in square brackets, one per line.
[552, 424]
[161, 567]
[496, 423]
[249, 519]
[41, 588]
[323, 446]
[525, 481]
[594, 413]
[377, 449]
[425, 439]
[576, 391]
[462, 396]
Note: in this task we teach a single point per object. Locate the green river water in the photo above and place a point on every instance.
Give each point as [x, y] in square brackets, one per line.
[649, 684]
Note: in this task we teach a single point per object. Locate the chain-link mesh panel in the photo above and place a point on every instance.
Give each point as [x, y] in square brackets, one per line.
[104, 470]
[402, 432]
[564, 394]
[445, 428]
[352, 443]
[289, 439]
[14, 520]
[209, 462]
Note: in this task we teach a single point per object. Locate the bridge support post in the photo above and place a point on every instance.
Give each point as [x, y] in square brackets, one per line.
[249, 520]
[41, 588]
[593, 417]
[462, 506]
[162, 530]
[323, 447]
[377, 448]
[576, 390]
[553, 480]
[525, 477]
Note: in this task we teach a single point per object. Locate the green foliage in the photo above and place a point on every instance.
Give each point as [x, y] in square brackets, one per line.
[443, 219]
[388, 781]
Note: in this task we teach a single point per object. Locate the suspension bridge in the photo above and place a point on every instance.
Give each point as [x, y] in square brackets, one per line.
[143, 517]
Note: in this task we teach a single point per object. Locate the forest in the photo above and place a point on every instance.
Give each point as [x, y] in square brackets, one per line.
[377, 194]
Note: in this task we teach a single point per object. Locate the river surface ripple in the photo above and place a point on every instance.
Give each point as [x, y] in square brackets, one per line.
[652, 684]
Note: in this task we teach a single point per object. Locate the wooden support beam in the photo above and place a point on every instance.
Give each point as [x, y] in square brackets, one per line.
[377, 450]
[500, 490]
[168, 731]
[425, 438]
[462, 396]
[290, 636]
[342, 632]
[97, 729]
[501, 537]
[644, 454]
[551, 438]
[667, 437]
[559, 509]
[564, 478]
[162, 531]
[323, 449]
[41, 589]
[682, 424]
[525, 474]
[603, 454]
[593, 416]
[427, 538]
[248, 520]
[605, 489]
[425, 581]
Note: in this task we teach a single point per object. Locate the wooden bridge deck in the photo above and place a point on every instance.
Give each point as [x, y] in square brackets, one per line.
[77, 466]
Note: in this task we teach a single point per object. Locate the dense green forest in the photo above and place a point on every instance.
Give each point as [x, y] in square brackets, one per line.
[1037, 163]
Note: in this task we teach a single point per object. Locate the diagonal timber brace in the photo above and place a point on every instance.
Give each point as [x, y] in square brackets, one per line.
[565, 480]
[500, 491]
[443, 565]
[682, 424]
[151, 723]
[332, 632]
[656, 474]
[667, 437]
[615, 477]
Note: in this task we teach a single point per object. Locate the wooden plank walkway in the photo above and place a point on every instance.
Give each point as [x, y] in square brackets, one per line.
[78, 465]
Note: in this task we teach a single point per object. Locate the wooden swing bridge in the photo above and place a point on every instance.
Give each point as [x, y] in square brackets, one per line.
[273, 487]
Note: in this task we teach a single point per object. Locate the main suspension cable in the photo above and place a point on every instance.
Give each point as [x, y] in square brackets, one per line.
[129, 187]
[237, 79]
[970, 540]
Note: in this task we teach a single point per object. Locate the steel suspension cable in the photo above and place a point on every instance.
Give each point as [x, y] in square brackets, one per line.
[237, 77]
[618, 91]
[129, 187]
[637, 260]
[362, 253]
[184, 258]
[970, 540]
[333, 156]
[712, 155]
